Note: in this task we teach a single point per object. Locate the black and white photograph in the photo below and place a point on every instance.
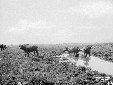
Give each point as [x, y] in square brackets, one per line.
[56, 42]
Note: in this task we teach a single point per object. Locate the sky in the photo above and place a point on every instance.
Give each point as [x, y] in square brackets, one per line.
[56, 21]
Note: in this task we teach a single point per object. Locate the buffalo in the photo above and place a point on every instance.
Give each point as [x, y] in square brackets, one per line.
[3, 47]
[87, 51]
[66, 49]
[27, 49]
[74, 50]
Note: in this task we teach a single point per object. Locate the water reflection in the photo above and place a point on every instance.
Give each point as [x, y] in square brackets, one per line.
[92, 62]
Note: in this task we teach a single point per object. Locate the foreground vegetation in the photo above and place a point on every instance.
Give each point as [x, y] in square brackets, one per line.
[103, 51]
[46, 69]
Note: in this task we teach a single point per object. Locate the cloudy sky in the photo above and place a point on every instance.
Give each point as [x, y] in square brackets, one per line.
[56, 21]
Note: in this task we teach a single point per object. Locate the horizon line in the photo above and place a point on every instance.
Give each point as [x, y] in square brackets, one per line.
[60, 43]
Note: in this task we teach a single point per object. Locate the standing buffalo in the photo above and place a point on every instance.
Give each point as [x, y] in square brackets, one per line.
[3, 47]
[74, 50]
[87, 50]
[27, 49]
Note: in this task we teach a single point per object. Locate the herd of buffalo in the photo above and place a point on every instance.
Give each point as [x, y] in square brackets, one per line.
[28, 48]
[76, 50]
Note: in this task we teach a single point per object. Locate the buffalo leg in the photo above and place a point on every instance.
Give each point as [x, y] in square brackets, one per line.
[1, 48]
[37, 52]
[34, 52]
[89, 54]
[76, 55]
[86, 55]
[28, 54]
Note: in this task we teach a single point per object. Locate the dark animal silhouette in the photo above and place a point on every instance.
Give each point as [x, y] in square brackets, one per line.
[66, 49]
[3, 47]
[27, 49]
[87, 51]
[74, 50]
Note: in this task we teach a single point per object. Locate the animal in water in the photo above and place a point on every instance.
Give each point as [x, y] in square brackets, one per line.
[3, 47]
[74, 50]
[27, 49]
[87, 51]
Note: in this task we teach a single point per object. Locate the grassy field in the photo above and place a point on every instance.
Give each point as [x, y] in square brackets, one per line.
[46, 69]
[103, 51]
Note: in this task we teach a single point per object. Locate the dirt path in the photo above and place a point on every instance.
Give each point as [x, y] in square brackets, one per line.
[93, 62]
